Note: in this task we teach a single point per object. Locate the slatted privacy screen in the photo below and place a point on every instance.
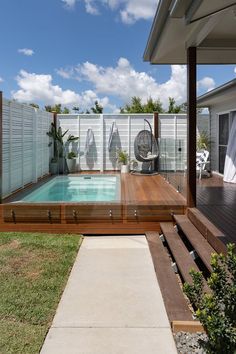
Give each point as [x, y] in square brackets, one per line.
[99, 157]
[172, 132]
[25, 151]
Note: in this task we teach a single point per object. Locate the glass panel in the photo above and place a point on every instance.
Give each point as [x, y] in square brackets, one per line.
[223, 129]
[172, 162]
[222, 154]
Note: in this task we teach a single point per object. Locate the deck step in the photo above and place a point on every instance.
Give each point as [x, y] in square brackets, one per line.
[175, 303]
[214, 236]
[180, 253]
[199, 243]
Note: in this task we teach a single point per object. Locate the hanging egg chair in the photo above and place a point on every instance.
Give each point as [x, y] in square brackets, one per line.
[146, 149]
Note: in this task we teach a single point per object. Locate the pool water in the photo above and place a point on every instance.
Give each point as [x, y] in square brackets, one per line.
[86, 188]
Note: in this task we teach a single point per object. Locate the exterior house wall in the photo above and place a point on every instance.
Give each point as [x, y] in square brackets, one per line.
[216, 109]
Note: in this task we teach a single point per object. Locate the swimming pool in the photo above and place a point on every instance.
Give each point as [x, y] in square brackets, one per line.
[85, 188]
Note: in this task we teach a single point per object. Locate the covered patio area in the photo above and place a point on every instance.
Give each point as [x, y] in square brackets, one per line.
[192, 33]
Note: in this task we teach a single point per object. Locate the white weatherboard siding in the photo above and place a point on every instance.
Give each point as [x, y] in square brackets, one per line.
[25, 151]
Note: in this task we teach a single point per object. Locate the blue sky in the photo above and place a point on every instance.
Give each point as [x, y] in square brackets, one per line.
[77, 51]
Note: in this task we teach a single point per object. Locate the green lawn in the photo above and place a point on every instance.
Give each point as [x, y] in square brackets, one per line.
[34, 269]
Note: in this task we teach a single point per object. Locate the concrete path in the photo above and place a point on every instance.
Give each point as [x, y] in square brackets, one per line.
[112, 303]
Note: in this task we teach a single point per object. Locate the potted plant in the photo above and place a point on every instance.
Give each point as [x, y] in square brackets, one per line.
[53, 166]
[123, 160]
[203, 141]
[57, 136]
[71, 161]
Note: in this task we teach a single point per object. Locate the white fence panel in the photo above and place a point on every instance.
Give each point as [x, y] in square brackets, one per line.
[99, 156]
[20, 158]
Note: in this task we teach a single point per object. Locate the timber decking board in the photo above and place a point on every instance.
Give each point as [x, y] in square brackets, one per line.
[152, 198]
[149, 190]
[180, 253]
[213, 235]
[176, 305]
[199, 243]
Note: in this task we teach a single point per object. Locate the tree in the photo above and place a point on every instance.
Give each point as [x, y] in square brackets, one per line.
[66, 110]
[57, 108]
[75, 109]
[97, 109]
[136, 106]
[173, 107]
[34, 105]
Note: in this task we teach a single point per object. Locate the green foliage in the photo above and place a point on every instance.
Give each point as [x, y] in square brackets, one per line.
[203, 141]
[217, 310]
[137, 106]
[57, 108]
[76, 109]
[173, 107]
[97, 109]
[122, 157]
[58, 139]
[34, 105]
[71, 155]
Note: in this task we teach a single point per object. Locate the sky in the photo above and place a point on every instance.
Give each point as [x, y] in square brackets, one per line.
[74, 52]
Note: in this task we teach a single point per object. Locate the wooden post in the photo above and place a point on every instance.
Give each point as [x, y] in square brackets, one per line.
[156, 134]
[1, 119]
[191, 125]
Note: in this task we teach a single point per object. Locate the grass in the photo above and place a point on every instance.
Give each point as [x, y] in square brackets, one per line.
[34, 269]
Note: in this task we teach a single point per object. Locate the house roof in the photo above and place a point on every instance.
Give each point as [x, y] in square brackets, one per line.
[208, 25]
[220, 94]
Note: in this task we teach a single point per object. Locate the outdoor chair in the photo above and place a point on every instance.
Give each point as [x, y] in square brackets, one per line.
[201, 161]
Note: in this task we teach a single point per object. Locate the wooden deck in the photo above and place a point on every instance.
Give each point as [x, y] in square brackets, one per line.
[145, 202]
[217, 201]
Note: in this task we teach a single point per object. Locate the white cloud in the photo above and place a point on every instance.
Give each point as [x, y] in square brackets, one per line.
[26, 51]
[206, 84]
[1, 79]
[124, 82]
[235, 69]
[130, 11]
[69, 3]
[90, 7]
[134, 10]
[39, 87]
[66, 73]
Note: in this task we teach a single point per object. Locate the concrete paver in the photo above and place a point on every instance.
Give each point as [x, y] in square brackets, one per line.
[112, 302]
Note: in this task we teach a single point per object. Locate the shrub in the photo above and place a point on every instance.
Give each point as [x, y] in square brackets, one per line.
[217, 310]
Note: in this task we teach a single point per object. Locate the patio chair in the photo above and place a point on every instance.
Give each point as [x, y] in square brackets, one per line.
[202, 161]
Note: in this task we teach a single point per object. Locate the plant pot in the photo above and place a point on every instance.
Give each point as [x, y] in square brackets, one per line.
[62, 165]
[124, 169]
[71, 164]
[53, 167]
